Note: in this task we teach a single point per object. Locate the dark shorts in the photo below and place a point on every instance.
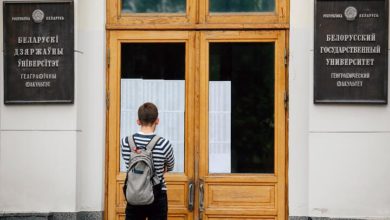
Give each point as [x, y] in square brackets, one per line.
[158, 210]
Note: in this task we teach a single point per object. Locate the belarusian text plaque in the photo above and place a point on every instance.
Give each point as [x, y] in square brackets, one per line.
[350, 51]
[38, 52]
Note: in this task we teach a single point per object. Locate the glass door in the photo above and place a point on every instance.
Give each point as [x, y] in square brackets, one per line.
[152, 67]
[221, 97]
[242, 173]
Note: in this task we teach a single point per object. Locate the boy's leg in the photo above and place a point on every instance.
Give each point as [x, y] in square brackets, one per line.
[135, 212]
[159, 208]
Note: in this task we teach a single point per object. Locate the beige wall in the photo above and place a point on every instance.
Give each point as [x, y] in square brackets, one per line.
[337, 162]
[52, 156]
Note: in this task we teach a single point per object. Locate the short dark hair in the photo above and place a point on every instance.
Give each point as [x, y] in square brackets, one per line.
[147, 113]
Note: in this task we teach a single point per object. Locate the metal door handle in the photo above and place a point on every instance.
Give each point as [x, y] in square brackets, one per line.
[201, 200]
[191, 196]
[201, 197]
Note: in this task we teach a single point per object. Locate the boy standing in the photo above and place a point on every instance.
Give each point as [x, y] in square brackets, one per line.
[163, 160]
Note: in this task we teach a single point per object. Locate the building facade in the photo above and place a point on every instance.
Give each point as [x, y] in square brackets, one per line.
[235, 87]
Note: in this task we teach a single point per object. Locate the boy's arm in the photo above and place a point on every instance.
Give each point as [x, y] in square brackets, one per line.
[125, 148]
[170, 159]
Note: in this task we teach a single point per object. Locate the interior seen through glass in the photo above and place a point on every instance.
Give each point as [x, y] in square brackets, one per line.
[241, 108]
[153, 6]
[242, 5]
[154, 72]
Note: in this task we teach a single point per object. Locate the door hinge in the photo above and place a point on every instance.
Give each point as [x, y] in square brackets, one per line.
[285, 100]
[285, 57]
[108, 96]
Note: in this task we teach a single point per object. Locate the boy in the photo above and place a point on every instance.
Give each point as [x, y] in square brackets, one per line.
[162, 158]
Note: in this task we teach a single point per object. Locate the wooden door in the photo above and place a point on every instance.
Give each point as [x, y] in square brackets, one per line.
[242, 163]
[127, 49]
[219, 66]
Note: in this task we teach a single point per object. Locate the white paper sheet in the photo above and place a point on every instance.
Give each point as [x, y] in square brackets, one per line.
[169, 96]
[220, 127]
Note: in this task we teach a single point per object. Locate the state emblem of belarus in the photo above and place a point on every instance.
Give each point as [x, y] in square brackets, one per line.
[350, 13]
[38, 16]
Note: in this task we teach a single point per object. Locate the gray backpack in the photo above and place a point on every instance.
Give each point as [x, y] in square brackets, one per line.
[141, 176]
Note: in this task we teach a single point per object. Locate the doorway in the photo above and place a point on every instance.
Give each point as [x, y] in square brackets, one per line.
[221, 98]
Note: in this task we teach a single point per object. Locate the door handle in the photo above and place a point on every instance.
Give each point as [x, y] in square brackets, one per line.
[201, 199]
[191, 196]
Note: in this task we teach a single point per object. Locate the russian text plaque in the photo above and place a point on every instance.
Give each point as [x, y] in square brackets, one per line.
[38, 52]
[350, 51]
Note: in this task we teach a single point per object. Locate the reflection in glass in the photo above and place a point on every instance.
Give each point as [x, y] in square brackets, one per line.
[154, 72]
[241, 108]
[242, 5]
[153, 6]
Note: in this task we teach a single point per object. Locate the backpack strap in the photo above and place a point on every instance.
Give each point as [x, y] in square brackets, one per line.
[152, 143]
[130, 140]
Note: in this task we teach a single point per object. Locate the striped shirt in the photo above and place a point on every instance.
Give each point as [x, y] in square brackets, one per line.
[162, 153]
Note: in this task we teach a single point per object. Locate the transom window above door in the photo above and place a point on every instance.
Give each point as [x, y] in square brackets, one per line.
[197, 14]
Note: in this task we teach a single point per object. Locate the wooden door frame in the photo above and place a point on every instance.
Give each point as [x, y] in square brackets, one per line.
[195, 73]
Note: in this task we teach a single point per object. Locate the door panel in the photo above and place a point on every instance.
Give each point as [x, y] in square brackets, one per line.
[251, 191]
[243, 195]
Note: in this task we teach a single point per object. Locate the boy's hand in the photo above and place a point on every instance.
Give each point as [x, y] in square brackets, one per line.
[136, 150]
